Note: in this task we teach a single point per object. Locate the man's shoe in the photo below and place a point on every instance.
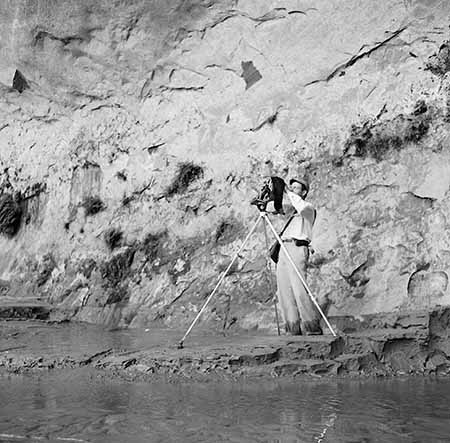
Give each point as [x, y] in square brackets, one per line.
[293, 328]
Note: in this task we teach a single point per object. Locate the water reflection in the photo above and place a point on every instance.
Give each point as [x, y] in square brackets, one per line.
[82, 406]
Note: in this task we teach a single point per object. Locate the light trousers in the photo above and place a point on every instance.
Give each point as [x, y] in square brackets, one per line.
[299, 313]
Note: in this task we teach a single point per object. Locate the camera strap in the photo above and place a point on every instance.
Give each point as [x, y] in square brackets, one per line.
[286, 225]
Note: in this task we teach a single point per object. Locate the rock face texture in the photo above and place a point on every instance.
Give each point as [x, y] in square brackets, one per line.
[133, 135]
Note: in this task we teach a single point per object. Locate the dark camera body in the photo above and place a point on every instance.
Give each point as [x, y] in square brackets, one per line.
[271, 191]
[264, 197]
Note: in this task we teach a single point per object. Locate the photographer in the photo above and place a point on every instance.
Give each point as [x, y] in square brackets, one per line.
[299, 313]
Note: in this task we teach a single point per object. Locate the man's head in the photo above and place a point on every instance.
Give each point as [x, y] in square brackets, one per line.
[300, 186]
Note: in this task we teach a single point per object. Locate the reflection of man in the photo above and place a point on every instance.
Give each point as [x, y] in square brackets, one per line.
[299, 313]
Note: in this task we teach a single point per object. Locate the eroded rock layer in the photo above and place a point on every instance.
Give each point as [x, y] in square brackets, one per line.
[133, 135]
[413, 343]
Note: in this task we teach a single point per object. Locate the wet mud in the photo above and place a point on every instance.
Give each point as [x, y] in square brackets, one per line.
[395, 344]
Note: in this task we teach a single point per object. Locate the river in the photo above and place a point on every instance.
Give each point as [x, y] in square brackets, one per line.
[85, 406]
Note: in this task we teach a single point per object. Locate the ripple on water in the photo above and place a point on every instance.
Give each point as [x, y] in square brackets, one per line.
[80, 406]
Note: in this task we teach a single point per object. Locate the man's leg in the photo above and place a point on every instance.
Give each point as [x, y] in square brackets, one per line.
[286, 297]
[309, 314]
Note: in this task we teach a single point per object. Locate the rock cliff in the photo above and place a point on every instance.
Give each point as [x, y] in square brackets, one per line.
[133, 135]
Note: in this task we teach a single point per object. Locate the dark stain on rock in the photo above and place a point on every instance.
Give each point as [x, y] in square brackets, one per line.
[10, 214]
[41, 35]
[127, 199]
[185, 251]
[86, 266]
[113, 237]
[118, 294]
[33, 203]
[20, 82]
[250, 74]
[117, 269]
[92, 205]
[152, 245]
[378, 139]
[227, 231]
[186, 174]
[160, 256]
[86, 182]
[45, 269]
[360, 276]
[439, 63]
[420, 108]
[356, 236]
[121, 175]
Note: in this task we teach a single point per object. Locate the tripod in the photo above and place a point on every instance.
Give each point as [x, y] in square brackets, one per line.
[262, 216]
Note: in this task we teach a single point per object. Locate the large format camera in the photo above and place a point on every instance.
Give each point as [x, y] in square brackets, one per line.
[272, 190]
[265, 196]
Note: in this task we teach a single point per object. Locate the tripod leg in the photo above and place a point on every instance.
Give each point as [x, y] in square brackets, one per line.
[266, 218]
[224, 273]
[271, 280]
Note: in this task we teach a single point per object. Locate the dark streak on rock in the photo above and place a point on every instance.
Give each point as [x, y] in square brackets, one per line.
[358, 276]
[186, 174]
[41, 35]
[356, 58]
[366, 189]
[428, 200]
[274, 14]
[163, 311]
[96, 356]
[270, 120]
[214, 65]
[11, 214]
[154, 147]
[181, 88]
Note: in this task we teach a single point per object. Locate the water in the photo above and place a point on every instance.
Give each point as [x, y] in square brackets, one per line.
[82, 406]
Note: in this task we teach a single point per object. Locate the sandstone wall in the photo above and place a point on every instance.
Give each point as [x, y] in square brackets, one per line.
[120, 97]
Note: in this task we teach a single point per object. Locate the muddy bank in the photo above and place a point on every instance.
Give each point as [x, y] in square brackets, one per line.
[396, 344]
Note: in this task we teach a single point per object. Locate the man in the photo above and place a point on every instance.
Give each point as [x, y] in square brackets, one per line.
[299, 313]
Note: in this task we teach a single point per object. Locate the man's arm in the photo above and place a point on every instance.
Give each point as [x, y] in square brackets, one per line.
[304, 208]
[297, 202]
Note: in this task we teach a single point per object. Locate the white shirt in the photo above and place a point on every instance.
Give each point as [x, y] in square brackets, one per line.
[301, 225]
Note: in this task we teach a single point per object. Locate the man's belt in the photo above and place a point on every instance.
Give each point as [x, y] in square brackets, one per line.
[296, 241]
